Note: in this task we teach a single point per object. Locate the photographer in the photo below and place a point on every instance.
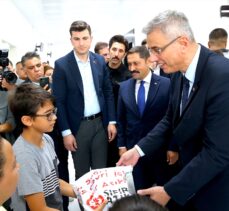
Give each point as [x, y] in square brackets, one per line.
[6, 118]
[9, 80]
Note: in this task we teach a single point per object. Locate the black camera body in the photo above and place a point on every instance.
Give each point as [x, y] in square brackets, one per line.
[4, 61]
[10, 77]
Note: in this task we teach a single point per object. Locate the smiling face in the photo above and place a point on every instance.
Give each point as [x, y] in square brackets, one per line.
[139, 67]
[10, 169]
[171, 58]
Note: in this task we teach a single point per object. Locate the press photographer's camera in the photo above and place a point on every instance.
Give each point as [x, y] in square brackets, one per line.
[9, 76]
[4, 61]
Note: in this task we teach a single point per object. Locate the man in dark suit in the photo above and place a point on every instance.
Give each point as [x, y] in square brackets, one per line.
[85, 103]
[199, 129]
[132, 124]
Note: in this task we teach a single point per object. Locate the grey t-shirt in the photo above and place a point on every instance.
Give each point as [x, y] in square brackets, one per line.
[38, 173]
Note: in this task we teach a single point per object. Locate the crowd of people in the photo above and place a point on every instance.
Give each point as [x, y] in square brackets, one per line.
[164, 112]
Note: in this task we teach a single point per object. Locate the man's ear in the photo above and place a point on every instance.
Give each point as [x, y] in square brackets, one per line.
[26, 120]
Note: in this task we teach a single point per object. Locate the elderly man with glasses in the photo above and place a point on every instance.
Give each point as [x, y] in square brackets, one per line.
[199, 128]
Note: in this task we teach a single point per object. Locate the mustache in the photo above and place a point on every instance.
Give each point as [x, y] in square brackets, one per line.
[134, 71]
[115, 57]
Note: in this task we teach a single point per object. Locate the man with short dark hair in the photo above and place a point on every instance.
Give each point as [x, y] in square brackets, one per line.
[102, 48]
[85, 103]
[118, 47]
[218, 41]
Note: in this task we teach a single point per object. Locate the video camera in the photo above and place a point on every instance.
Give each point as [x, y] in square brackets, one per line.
[10, 77]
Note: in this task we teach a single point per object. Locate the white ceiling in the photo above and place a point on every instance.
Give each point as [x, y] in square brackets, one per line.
[48, 21]
[52, 18]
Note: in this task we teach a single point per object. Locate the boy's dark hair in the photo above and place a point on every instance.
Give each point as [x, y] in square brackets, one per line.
[26, 100]
[119, 39]
[141, 50]
[28, 56]
[2, 158]
[136, 203]
[79, 26]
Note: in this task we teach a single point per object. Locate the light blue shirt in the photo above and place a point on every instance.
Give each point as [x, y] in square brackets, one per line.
[91, 102]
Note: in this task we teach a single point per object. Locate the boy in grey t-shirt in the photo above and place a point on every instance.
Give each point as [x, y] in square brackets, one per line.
[39, 187]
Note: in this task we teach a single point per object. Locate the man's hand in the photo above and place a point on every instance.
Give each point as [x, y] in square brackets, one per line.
[70, 143]
[112, 131]
[172, 157]
[122, 150]
[156, 193]
[129, 158]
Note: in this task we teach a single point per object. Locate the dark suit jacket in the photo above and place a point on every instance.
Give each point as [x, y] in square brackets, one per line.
[201, 134]
[68, 91]
[131, 125]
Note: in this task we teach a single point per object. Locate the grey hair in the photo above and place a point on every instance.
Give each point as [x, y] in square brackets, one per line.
[171, 23]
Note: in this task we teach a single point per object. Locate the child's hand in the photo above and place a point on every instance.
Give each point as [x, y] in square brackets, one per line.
[172, 157]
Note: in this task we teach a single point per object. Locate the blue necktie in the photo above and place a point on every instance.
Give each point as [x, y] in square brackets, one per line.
[185, 90]
[141, 97]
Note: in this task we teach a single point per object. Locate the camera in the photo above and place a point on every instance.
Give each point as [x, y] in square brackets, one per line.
[4, 61]
[10, 77]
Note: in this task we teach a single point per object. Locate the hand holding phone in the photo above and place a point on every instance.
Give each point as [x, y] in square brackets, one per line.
[44, 81]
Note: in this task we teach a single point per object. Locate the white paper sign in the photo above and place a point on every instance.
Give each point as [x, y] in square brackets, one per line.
[104, 184]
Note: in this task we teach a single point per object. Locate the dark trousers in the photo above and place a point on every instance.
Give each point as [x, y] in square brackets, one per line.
[91, 152]
[113, 154]
[62, 155]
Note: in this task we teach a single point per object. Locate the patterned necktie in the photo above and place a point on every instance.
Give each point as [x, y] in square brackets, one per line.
[141, 97]
[185, 90]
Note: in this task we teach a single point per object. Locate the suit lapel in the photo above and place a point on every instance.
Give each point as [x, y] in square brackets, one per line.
[75, 72]
[153, 88]
[177, 80]
[94, 69]
[132, 97]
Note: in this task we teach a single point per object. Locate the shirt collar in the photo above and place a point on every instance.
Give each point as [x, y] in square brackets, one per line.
[78, 59]
[147, 79]
[191, 71]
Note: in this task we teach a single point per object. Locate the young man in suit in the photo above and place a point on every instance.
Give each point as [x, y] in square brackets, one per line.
[199, 129]
[132, 124]
[85, 103]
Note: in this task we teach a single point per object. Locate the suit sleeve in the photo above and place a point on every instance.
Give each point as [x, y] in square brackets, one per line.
[213, 158]
[159, 136]
[121, 121]
[108, 95]
[59, 90]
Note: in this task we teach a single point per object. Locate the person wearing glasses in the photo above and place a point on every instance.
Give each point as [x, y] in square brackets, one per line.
[197, 121]
[34, 69]
[39, 187]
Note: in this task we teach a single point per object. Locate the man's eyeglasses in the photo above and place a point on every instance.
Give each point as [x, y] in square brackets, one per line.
[158, 51]
[49, 115]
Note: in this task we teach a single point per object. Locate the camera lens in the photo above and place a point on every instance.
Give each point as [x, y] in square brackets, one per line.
[10, 77]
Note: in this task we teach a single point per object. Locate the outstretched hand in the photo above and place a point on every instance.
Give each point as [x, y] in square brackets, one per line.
[157, 194]
[129, 158]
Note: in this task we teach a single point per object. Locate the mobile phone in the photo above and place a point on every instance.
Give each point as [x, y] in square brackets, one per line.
[44, 81]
